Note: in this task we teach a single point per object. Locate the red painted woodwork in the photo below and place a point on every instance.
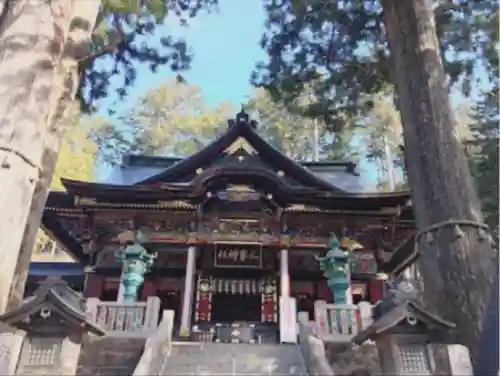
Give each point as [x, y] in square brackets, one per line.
[377, 291]
[268, 308]
[94, 285]
[324, 293]
[203, 307]
[148, 289]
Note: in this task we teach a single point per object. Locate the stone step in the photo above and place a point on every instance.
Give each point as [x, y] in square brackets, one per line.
[234, 359]
[109, 356]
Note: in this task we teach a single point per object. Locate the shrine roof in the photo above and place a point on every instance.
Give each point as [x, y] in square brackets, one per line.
[241, 155]
[135, 169]
[241, 140]
[195, 192]
[238, 156]
[390, 313]
[52, 295]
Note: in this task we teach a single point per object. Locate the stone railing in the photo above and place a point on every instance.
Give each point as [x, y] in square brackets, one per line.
[10, 349]
[340, 322]
[134, 319]
[157, 348]
[312, 348]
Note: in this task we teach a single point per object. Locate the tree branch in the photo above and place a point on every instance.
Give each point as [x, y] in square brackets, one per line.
[4, 11]
[109, 48]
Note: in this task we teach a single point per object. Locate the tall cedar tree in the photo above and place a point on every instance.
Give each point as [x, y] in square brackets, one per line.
[80, 34]
[357, 48]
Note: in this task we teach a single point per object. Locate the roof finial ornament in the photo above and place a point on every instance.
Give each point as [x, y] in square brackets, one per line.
[242, 116]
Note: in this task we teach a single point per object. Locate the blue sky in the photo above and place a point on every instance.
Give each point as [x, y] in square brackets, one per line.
[225, 46]
[226, 49]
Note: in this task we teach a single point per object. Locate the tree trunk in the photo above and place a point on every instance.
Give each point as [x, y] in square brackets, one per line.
[459, 272]
[32, 40]
[49, 161]
[65, 87]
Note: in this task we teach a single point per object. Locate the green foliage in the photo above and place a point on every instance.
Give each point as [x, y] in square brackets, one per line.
[77, 154]
[297, 136]
[339, 49]
[380, 134]
[169, 120]
[124, 36]
[76, 161]
[173, 119]
[484, 156]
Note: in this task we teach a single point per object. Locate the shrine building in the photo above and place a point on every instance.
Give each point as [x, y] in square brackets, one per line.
[233, 227]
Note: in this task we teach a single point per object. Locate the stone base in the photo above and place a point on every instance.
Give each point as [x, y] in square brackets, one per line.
[241, 332]
[346, 360]
[184, 332]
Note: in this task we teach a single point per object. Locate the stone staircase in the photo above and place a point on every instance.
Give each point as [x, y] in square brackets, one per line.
[234, 359]
[109, 356]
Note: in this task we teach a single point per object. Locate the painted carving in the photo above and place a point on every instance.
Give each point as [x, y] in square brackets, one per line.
[239, 193]
[166, 259]
[106, 257]
[303, 260]
[304, 232]
[243, 230]
[363, 262]
[269, 294]
[203, 300]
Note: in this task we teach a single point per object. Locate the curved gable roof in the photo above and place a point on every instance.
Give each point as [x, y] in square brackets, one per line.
[242, 128]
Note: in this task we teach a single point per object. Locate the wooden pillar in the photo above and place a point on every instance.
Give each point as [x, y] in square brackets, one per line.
[94, 285]
[148, 289]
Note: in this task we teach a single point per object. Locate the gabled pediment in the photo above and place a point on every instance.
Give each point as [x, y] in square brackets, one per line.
[240, 144]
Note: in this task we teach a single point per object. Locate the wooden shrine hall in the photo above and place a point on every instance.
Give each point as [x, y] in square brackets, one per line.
[234, 227]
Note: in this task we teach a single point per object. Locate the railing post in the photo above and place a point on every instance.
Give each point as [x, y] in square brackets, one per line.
[152, 313]
[321, 318]
[92, 305]
[303, 318]
[365, 314]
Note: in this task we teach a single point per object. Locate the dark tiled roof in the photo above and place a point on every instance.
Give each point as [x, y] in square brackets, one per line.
[59, 296]
[391, 313]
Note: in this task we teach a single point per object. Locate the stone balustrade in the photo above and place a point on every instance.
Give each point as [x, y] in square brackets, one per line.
[340, 322]
[132, 319]
[157, 348]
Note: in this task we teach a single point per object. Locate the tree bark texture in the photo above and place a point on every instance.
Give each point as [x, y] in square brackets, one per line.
[457, 273]
[38, 200]
[66, 83]
[33, 35]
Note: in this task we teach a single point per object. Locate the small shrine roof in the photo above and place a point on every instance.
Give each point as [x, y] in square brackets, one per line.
[391, 313]
[54, 295]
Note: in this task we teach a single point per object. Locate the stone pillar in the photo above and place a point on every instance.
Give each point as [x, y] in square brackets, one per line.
[188, 292]
[285, 276]
[94, 285]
